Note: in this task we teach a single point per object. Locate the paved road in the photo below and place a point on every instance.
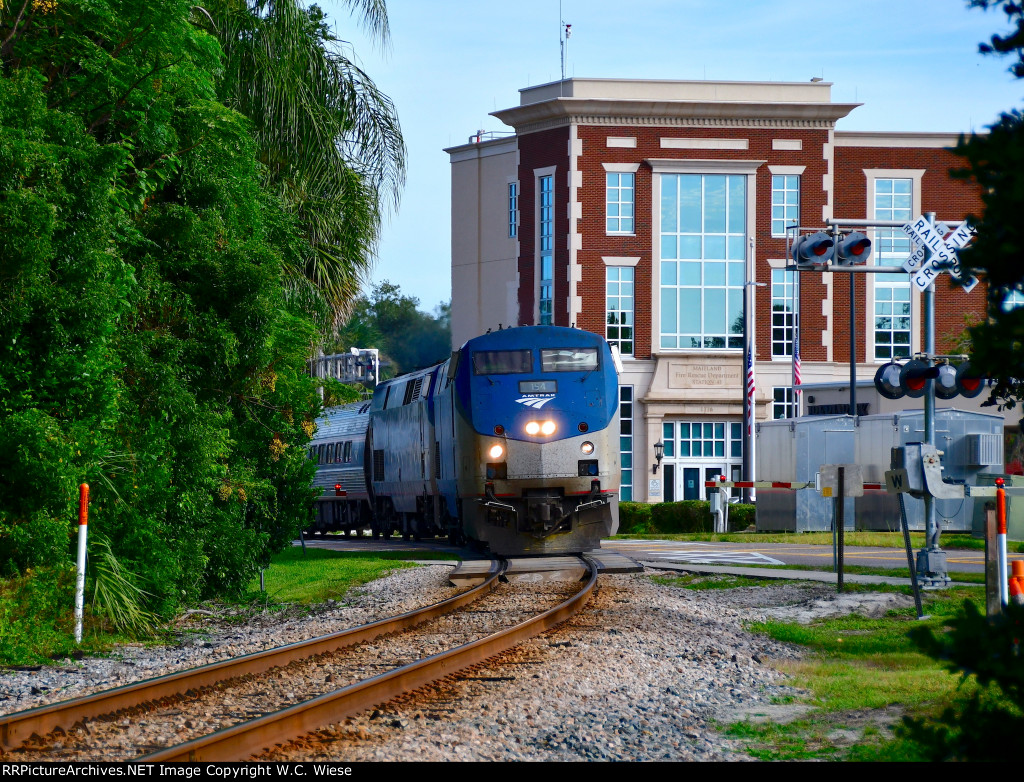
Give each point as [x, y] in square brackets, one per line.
[795, 554]
[753, 553]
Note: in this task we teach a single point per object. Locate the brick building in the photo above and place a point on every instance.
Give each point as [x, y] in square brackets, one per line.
[647, 210]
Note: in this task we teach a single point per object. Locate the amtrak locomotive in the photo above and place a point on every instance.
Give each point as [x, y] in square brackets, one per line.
[513, 443]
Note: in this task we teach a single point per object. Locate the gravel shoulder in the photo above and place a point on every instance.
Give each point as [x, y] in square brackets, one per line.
[645, 673]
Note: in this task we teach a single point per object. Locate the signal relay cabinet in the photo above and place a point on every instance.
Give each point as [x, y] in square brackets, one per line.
[794, 450]
[1014, 506]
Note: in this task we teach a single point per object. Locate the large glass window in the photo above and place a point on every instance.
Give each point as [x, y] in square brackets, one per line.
[626, 442]
[893, 201]
[892, 316]
[702, 250]
[785, 202]
[619, 307]
[513, 207]
[782, 402]
[546, 197]
[699, 439]
[1012, 300]
[783, 312]
[619, 202]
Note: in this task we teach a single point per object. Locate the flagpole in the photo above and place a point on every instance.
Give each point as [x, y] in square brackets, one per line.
[748, 380]
[796, 345]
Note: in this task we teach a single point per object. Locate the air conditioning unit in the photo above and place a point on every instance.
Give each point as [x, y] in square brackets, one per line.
[984, 449]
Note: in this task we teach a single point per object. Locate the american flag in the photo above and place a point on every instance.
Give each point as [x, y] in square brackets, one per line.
[796, 369]
[750, 391]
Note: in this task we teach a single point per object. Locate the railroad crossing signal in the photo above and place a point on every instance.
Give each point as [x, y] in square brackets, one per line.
[943, 250]
[813, 250]
[854, 249]
[895, 381]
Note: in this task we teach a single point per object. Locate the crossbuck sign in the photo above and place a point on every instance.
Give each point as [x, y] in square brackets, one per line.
[943, 253]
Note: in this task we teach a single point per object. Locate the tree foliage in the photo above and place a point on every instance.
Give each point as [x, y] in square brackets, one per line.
[392, 322]
[329, 139]
[985, 724]
[996, 161]
[148, 344]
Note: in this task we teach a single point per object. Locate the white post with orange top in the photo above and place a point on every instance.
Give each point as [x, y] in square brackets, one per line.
[1004, 571]
[83, 533]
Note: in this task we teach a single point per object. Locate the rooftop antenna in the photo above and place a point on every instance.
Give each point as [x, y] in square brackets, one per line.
[564, 34]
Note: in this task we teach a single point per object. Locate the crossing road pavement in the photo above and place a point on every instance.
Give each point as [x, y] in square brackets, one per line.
[700, 552]
[795, 554]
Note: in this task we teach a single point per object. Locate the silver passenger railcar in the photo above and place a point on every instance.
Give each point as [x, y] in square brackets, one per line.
[339, 450]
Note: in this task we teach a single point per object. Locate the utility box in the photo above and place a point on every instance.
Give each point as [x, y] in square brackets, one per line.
[971, 443]
[1014, 506]
[794, 449]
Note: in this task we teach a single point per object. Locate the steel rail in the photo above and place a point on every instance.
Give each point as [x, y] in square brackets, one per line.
[18, 727]
[244, 740]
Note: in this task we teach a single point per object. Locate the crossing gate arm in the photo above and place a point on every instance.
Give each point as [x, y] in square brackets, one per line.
[790, 485]
[990, 491]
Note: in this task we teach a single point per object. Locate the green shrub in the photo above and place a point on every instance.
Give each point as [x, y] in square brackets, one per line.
[678, 517]
[634, 518]
[37, 615]
[986, 722]
[741, 516]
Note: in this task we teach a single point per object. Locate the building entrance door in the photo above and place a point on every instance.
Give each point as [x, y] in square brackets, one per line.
[692, 478]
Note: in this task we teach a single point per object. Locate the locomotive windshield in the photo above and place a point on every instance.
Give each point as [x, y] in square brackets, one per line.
[502, 362]
[568, 359]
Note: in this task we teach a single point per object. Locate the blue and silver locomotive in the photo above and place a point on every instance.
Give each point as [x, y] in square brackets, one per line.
[512, 443]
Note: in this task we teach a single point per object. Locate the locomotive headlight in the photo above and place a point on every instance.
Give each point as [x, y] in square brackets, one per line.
[496, 451]
[548, 427]
[587, 447]
[533, 428]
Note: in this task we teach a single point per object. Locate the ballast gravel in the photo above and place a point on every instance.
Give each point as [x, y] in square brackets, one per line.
[648, 671]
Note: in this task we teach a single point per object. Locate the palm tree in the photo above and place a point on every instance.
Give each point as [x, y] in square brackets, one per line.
[330, 139]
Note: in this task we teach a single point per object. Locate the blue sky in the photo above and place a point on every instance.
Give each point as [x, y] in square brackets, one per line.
[914, 64]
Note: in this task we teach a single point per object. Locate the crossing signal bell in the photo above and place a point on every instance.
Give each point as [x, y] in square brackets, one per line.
[895, 381]
[813, 250]
[854, 249]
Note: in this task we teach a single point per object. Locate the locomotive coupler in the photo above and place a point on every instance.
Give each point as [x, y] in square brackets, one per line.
[491, 501]
[594, 498]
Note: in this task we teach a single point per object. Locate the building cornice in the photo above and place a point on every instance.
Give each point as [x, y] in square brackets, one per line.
[854, 138]
[471, 151]
[698, 113]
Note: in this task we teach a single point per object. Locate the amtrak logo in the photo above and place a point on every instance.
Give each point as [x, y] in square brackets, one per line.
[534, 401]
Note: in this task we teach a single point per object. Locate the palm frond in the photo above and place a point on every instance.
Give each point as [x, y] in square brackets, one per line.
[330, 139]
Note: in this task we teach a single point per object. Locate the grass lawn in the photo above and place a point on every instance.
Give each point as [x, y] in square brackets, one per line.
[861, 677]
[322, 574]
[36, 611]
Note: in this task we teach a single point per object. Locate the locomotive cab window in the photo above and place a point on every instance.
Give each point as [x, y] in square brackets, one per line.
[568, 359]
[502, 362]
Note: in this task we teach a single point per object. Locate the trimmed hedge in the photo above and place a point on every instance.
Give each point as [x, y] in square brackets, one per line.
[641, 518]
[741, 516]
[684, 516]
[634, 518]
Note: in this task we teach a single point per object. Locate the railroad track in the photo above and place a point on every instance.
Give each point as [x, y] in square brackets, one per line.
[237, 731]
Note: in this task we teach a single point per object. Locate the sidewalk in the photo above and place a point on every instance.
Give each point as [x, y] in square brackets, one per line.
[787, 575]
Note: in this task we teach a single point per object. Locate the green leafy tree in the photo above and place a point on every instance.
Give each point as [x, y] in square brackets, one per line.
[996, 161]
[392, 322]
[330, 140]
[148, 345]
[985, 724]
